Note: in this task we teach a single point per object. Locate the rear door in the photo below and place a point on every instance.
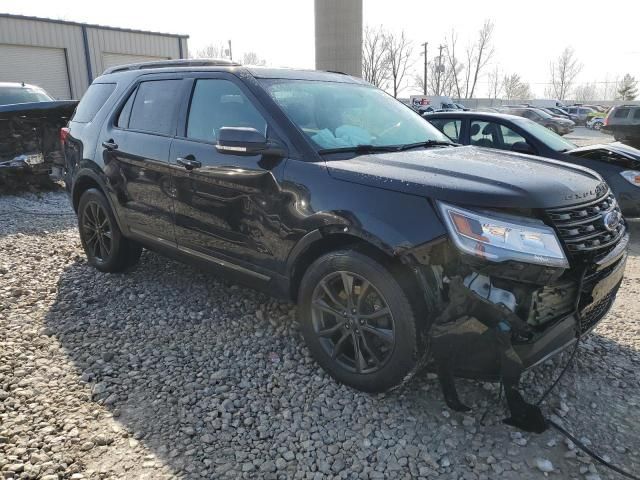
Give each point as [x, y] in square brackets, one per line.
[135, 147]
[227, 206]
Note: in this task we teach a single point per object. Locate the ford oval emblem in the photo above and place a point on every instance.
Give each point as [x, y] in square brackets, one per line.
[612, 220]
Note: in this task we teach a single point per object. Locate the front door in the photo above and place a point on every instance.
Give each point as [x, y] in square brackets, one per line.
[226, 206]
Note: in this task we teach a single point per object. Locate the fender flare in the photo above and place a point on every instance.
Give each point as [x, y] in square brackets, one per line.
[89, 172]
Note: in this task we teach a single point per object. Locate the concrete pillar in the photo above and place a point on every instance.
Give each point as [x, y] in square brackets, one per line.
[339, 36]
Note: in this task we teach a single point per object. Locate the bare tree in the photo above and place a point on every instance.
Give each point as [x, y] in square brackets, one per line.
[476, 57]
[496, 83]
[564, 71]
[442, 78]
[252, 58]
[585, 92]
[419, 83]
[608, 89]
[398, 54]
[515, 88]
[211, 51]
[375, 64]
[454, 66]
[480, 55]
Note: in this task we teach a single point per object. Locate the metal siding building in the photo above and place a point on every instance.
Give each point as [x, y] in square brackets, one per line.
[64, 57]
[339, 36]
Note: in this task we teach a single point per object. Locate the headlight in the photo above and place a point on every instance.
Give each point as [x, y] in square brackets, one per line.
[632, 176]
[498, 237]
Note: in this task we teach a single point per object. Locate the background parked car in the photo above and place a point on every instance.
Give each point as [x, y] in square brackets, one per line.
[581, 113]
[557, 125]
[618, 164]
[623, 123]
[30, 121]
[596, 122]
[12, 93]
[559, 112]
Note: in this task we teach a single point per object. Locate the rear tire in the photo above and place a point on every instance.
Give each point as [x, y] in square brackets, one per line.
[369, 340]
[105, 246]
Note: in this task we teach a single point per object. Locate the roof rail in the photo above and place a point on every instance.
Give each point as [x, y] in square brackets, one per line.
[194, 62]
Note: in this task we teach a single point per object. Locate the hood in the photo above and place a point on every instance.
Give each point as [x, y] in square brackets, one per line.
[474, 176]
[614, 153]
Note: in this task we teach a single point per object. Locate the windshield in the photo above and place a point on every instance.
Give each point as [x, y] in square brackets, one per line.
[11, 95]
[546, 136]
[342, 115]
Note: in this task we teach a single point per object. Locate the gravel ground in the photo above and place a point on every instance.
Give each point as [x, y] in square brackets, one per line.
[168, 372]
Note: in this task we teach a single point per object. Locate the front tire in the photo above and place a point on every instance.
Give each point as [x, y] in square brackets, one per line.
[105, 246]
[359, 323]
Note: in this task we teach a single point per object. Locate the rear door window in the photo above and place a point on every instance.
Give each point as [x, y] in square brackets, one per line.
[621, 113]
[636, 115]
[154, 107]
[92, 101]
[450, 127]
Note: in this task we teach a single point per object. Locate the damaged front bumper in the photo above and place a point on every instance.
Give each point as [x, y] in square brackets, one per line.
[600, 286]
[493, 323]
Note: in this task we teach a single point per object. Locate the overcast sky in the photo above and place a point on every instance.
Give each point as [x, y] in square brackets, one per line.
[528, 35]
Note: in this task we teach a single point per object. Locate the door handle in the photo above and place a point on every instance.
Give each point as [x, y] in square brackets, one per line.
[110, 145]
[189, 162]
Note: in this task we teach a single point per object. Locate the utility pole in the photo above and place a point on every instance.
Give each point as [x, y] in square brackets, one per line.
[425, 44]
[230, 54]
[439, 68]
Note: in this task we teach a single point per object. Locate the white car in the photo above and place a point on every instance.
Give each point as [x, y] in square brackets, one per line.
[595, 123]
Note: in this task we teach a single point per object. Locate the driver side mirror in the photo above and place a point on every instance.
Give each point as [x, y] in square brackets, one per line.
[246, 141]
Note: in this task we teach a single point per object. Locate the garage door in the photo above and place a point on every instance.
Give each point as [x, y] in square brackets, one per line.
[115, 59]
[45, 67]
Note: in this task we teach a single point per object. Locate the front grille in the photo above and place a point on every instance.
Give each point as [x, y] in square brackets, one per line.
[582, 228]
[594, 313]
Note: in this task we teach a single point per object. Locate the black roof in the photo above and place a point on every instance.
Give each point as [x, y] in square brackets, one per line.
[227, 65]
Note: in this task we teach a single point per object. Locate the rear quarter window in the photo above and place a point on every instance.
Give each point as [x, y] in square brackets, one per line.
[621, 113]
[92, 101]
[636, 114]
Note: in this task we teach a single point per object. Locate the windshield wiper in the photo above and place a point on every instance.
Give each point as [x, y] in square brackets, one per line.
[427, 144]
[362, 148]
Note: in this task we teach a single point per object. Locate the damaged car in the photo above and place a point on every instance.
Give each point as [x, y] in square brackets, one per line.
[397, 245]
[30, 122]
[618, 164]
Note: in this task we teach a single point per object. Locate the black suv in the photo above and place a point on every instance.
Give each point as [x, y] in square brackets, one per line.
[320, 188]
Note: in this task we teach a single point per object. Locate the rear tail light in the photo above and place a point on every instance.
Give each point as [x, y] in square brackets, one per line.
[64, 134]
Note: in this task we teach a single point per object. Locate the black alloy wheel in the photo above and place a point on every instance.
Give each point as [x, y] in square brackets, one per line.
[105, 246]
[363, 319]
[97, 231]
[353, 322]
